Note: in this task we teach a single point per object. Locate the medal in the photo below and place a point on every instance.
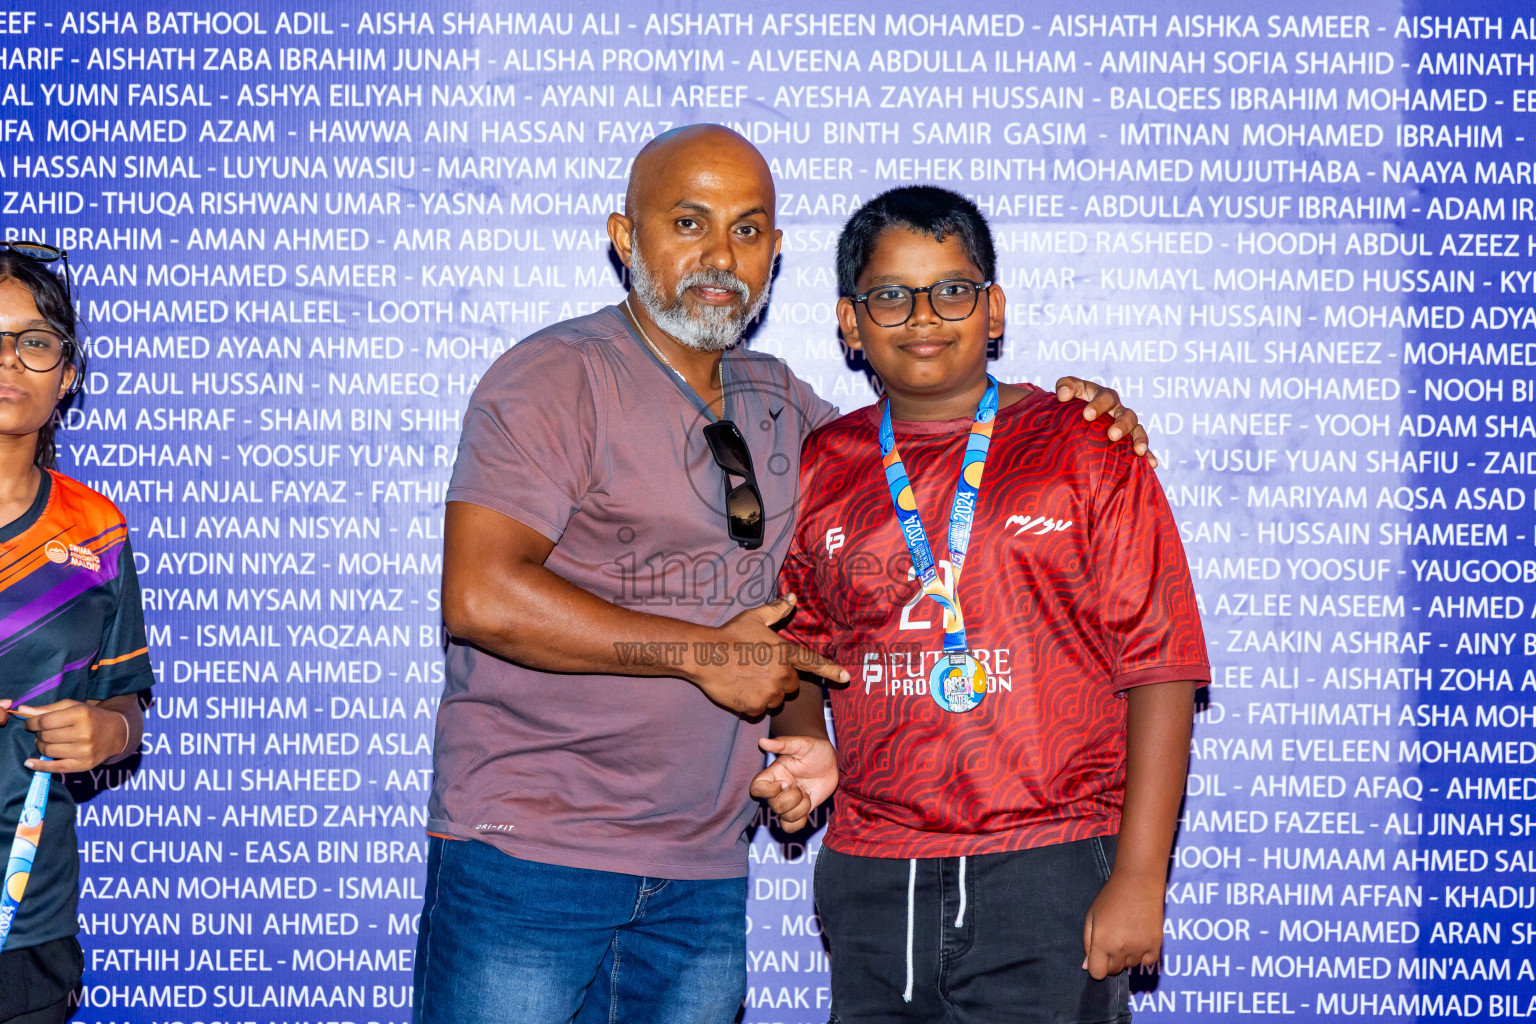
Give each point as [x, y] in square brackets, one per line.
[957, 683]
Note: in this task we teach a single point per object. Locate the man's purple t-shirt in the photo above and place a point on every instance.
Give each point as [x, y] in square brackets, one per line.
[581, 433]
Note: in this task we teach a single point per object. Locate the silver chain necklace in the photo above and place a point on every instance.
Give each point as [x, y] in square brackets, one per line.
[630, 312]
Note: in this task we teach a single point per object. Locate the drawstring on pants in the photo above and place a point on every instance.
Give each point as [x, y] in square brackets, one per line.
[960, 917]
[906, 996]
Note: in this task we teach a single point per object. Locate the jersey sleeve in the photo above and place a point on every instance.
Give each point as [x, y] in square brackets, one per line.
[122, 662]
[1145, 597]
[529, 438]
[810, 626]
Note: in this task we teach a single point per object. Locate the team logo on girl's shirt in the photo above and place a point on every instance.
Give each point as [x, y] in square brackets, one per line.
[59, 553]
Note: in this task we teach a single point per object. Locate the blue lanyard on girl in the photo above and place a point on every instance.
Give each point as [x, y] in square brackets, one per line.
[18, 867]
[961, 515]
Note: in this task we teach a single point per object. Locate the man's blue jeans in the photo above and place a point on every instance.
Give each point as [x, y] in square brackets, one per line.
[508, 941]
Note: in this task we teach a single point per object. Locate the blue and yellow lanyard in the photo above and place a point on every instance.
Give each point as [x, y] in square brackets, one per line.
[18, 866]
[962, 514]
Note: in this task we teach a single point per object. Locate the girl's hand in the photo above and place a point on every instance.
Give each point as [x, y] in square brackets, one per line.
[77, 736]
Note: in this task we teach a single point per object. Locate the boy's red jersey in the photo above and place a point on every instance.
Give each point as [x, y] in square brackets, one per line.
[1074, 589]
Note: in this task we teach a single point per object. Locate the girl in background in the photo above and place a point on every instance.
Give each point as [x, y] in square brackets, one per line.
[73, 657]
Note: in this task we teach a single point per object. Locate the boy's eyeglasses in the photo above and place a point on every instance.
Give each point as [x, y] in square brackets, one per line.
[42, 254]
[744, 502]
[892, 305]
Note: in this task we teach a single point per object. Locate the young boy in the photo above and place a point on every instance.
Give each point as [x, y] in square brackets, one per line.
[1012, 748]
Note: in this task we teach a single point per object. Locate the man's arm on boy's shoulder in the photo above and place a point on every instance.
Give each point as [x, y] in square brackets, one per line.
[1105, 401]
[1124, 926]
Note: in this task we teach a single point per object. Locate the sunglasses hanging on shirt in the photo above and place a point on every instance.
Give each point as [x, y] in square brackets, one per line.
[743, 501]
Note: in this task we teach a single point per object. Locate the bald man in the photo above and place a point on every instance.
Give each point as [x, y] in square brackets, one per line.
[622, 499]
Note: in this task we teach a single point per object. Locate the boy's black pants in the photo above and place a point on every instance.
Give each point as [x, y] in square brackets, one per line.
[1010, 949]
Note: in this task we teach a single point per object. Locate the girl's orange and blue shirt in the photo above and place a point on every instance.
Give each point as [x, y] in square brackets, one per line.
[71, 628]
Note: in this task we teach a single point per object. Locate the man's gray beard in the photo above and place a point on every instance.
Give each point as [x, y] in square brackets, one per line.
[708, 328]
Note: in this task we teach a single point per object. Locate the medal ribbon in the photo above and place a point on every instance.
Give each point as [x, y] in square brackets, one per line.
[961, 514]
[29, 830]
[18, 867]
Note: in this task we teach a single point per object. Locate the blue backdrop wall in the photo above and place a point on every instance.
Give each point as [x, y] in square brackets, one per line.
[1297, 236]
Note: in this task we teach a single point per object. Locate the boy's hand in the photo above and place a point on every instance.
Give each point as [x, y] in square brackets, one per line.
[1124, 927]
[77, 736]
[1103, 401]
[800, 779]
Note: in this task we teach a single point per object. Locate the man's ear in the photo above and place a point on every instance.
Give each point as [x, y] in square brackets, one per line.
[848, 320]
[621, 232]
